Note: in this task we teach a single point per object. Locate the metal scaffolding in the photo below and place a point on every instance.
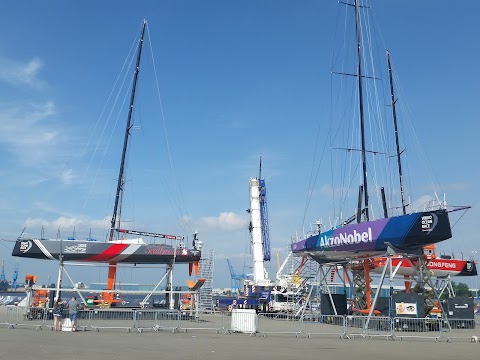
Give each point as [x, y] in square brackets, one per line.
[205, 270]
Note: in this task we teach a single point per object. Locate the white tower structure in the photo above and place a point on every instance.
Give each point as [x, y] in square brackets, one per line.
[259, 274]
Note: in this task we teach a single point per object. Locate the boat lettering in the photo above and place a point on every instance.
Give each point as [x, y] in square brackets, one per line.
[440, 264]
[158, 250]
[427, 222]
[25, 246]
[347, 239]
[76, 249]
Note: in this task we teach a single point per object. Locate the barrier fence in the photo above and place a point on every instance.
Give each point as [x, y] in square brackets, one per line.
[271, 324]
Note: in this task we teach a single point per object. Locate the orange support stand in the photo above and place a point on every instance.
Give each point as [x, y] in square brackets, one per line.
[406, 279]
[368, 295]
[195, 268]
[112, 270]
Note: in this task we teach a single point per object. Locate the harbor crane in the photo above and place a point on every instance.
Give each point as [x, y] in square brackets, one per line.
[236, 278]
[15, 276]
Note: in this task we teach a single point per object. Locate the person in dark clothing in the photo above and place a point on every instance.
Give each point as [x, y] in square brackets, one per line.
[58, 309]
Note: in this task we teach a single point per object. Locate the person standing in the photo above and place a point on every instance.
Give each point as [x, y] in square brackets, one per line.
[58, 309]
[73, 306]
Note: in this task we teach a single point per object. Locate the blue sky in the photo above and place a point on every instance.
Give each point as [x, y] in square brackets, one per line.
[237, 79]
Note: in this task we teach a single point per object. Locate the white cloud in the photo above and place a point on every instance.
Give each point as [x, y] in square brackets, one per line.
[26, 126]
[226, 221]
[18, 73]
[67, 176]
[422, 203]
[26, 131]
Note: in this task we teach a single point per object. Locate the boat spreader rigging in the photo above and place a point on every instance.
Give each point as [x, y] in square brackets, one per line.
[150, 234]
[368, 238]
[115, 249]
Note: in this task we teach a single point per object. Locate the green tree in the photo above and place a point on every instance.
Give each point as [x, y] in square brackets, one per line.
[462, 289]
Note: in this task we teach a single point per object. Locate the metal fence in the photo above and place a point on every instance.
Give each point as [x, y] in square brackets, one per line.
[279, 323]
[265, 324]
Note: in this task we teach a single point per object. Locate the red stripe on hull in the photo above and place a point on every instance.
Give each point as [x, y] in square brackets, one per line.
[110, 252]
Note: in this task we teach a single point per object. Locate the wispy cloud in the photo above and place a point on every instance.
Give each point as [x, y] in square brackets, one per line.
[225, 221]
[27, 125]
[21, 73]
[67, 176]
[422, 203]
[27, 131]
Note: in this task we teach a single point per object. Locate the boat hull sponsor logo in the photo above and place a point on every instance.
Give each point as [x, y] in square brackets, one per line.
[441, 265]
[343, 239]
[158, 250]
[429, 222]
[76, 249]
[25, 246]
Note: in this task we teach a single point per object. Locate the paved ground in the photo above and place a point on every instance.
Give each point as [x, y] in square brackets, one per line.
[50, 345]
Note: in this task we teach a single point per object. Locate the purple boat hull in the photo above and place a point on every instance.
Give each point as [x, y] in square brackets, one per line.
[405, 233]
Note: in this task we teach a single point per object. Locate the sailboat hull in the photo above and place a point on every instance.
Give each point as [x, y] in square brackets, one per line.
[92, 251]
[437, 267]
[405, 233]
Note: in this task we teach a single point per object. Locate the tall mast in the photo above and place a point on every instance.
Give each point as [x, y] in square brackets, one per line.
[127, 135]
[360, 100]
[402, 193]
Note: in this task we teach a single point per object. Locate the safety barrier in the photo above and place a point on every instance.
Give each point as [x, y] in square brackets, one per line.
[145, 320]
[211, 321]
[460, 329]
[363, 326]
[416, 328]
[279, 323]
[13, 316]
[324, 325]
[310, 325]
[121, 319]
[167, 320]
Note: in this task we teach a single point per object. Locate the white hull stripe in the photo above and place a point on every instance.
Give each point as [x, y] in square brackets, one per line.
[43, 249]
[129, 250]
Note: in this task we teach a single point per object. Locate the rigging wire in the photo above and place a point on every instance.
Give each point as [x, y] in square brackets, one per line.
[407, 120]
[126, 72]
[379, 169]
[184, 219]
[373, 107]
[122, 71]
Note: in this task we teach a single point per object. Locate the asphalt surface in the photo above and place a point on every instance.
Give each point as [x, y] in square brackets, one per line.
[118, 345]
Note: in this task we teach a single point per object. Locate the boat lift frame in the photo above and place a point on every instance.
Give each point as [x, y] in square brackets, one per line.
[168, 275]
[420, 276]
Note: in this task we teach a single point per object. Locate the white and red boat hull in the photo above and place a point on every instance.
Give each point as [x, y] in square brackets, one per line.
[438, 266]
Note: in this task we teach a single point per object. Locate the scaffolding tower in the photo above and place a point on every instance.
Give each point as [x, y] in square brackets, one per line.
[205, 270]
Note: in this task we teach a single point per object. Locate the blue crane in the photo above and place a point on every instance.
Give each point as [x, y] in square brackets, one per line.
[15, 276]
[2, 275]
[264, 215]
[236, 278]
